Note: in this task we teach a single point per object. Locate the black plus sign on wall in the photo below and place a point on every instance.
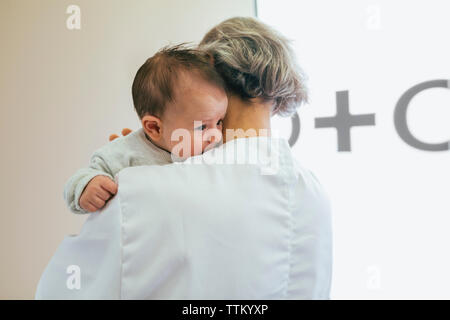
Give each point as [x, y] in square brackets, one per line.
[343, 121]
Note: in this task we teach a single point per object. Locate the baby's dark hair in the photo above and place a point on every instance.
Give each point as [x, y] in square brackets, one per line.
[154, 83]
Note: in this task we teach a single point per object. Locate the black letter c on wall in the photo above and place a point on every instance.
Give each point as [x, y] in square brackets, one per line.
[401, 109]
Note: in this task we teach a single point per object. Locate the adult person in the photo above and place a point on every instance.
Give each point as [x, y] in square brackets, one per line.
[222, 229]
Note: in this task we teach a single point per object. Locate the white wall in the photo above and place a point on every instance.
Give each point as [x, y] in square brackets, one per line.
[391, 208]
[62, 92]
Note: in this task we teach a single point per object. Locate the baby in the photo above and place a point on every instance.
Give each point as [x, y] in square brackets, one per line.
[181, 102]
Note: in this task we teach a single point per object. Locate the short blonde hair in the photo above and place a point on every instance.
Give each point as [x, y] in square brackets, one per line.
[256, 61]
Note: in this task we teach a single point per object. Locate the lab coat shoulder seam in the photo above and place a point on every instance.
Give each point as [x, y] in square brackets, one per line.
[290, 209]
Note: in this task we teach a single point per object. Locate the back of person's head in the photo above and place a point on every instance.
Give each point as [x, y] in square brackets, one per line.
[155, 81]
[256, 61]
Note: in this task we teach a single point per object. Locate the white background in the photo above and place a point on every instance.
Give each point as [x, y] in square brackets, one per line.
[391, 208]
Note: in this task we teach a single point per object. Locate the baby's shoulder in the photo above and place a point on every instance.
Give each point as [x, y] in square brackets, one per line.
[119, 147]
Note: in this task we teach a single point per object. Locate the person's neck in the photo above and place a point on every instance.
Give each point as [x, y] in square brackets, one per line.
[246, 118]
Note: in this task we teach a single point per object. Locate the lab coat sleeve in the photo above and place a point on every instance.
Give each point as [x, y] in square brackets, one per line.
[87, 266]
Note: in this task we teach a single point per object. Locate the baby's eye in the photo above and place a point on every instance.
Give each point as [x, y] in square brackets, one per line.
[202, 127]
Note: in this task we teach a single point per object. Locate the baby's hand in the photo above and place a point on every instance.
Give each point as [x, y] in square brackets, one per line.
[97, 192]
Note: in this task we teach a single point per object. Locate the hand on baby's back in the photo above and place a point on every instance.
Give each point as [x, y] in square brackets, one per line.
[97, 192]
[125, 132]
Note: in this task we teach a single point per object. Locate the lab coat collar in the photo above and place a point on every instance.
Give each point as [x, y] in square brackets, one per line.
[262, 151]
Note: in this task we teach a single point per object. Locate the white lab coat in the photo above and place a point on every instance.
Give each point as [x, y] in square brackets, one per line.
[253, 229]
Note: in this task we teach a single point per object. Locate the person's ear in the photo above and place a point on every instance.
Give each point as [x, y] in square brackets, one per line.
[152, 126]
[210, 58]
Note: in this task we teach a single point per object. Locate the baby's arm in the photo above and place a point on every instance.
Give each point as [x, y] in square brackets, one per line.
[89, 188]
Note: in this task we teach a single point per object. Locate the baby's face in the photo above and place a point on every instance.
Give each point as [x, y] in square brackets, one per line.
[192, 123]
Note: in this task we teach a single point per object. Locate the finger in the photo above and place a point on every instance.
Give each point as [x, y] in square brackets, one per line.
[89, 207]
[103, 194]
[109, 186]
[125, 131]
[97, 202]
